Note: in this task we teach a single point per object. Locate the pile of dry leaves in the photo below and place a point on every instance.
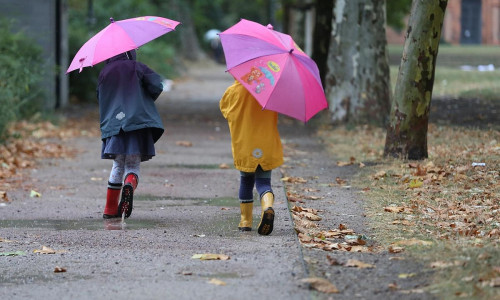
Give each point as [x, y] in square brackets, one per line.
[30, 142]
[451, 199]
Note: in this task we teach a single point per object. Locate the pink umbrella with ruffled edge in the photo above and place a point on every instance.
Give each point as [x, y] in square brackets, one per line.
[273, 69]
[119, 37]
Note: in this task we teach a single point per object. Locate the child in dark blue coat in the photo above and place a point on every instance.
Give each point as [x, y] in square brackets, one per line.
[130, 125]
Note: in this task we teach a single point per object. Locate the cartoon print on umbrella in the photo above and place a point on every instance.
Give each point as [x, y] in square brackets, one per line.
[271, 66]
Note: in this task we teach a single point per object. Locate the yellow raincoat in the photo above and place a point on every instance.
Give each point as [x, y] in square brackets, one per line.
[255, 139]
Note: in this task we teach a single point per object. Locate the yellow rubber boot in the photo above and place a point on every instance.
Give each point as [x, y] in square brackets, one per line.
[267, 216]
[246, 216]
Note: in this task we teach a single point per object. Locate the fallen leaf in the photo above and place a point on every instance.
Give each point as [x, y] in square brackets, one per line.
[396, 249]
[294, 199]
[59, 270]
[402, 222]
[358, 264]
[441, 264]
[340, 181]
[305, 223]
[379, 174]
[13, 253]
[421, 171]
[310, 216]
[294, 179]
[96, 178]
[394, 209]
[34, 194]
[45, 250]
[343, 163]
[184, 143]
[332, 261]
[396, 258]
[321, 285]
[495, 282]
[312, 197]
[406, 275]
[415, 183]
[3, 196]
[362, 249]
[223, 166]
[216, 281]
[210, 256]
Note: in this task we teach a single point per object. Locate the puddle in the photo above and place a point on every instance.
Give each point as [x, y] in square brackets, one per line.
[111, 224]
[17, 279]
[189, 166]
[224, 275]
[223, 202]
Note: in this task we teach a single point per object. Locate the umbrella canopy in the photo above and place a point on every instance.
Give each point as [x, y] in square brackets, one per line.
[119, 37]
[273, 69]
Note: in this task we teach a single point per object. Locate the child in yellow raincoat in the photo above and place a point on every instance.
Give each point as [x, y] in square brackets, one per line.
[256, 147]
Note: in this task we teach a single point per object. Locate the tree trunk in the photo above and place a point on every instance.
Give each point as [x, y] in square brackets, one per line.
[407, 131]
[357, 81]
[321, 37]
[189, 42]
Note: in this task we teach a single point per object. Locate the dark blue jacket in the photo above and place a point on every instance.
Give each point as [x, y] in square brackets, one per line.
[126, 91]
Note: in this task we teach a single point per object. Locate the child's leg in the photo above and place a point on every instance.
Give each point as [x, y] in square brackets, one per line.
[132, 170]
[114, 187]
[247, 182]
[263, 181]
[263, 185]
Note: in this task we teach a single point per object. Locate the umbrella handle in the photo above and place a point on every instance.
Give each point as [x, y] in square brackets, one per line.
[111, 20]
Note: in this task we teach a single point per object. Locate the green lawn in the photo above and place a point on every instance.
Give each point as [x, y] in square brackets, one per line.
[451, 80]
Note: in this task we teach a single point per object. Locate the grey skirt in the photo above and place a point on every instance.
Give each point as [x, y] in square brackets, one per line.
[133, 142]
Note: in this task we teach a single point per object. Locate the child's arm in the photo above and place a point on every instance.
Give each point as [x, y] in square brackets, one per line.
[152, 82]
[225, 103]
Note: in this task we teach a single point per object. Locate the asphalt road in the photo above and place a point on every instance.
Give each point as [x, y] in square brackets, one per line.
[186, 204]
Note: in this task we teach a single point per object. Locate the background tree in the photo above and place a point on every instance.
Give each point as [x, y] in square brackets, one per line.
[396, 11]
[358, 79]
[321, 37]
[407, 131]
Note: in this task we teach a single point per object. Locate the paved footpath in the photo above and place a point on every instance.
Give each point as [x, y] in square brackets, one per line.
[185, 204]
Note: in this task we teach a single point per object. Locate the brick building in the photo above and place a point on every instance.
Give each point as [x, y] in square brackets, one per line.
[466, 22]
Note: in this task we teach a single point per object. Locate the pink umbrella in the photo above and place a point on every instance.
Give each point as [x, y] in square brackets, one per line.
[274, 69]
[119, 37]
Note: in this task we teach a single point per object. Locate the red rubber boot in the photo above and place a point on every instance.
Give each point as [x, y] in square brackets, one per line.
[127, 200]
[111, 208]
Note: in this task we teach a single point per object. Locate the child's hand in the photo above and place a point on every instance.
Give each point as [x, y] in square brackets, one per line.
[167, 85]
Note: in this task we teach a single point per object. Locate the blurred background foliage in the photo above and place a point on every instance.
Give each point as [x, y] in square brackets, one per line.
[21, 74]
[22, 65]
[86, 18]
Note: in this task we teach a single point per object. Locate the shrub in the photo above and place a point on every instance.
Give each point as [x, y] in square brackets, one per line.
[21, 73]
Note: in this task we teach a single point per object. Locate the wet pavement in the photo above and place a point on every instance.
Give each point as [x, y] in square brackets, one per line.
[185, 204]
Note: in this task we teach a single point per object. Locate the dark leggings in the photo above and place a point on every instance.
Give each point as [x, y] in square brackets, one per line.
[260, 179]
